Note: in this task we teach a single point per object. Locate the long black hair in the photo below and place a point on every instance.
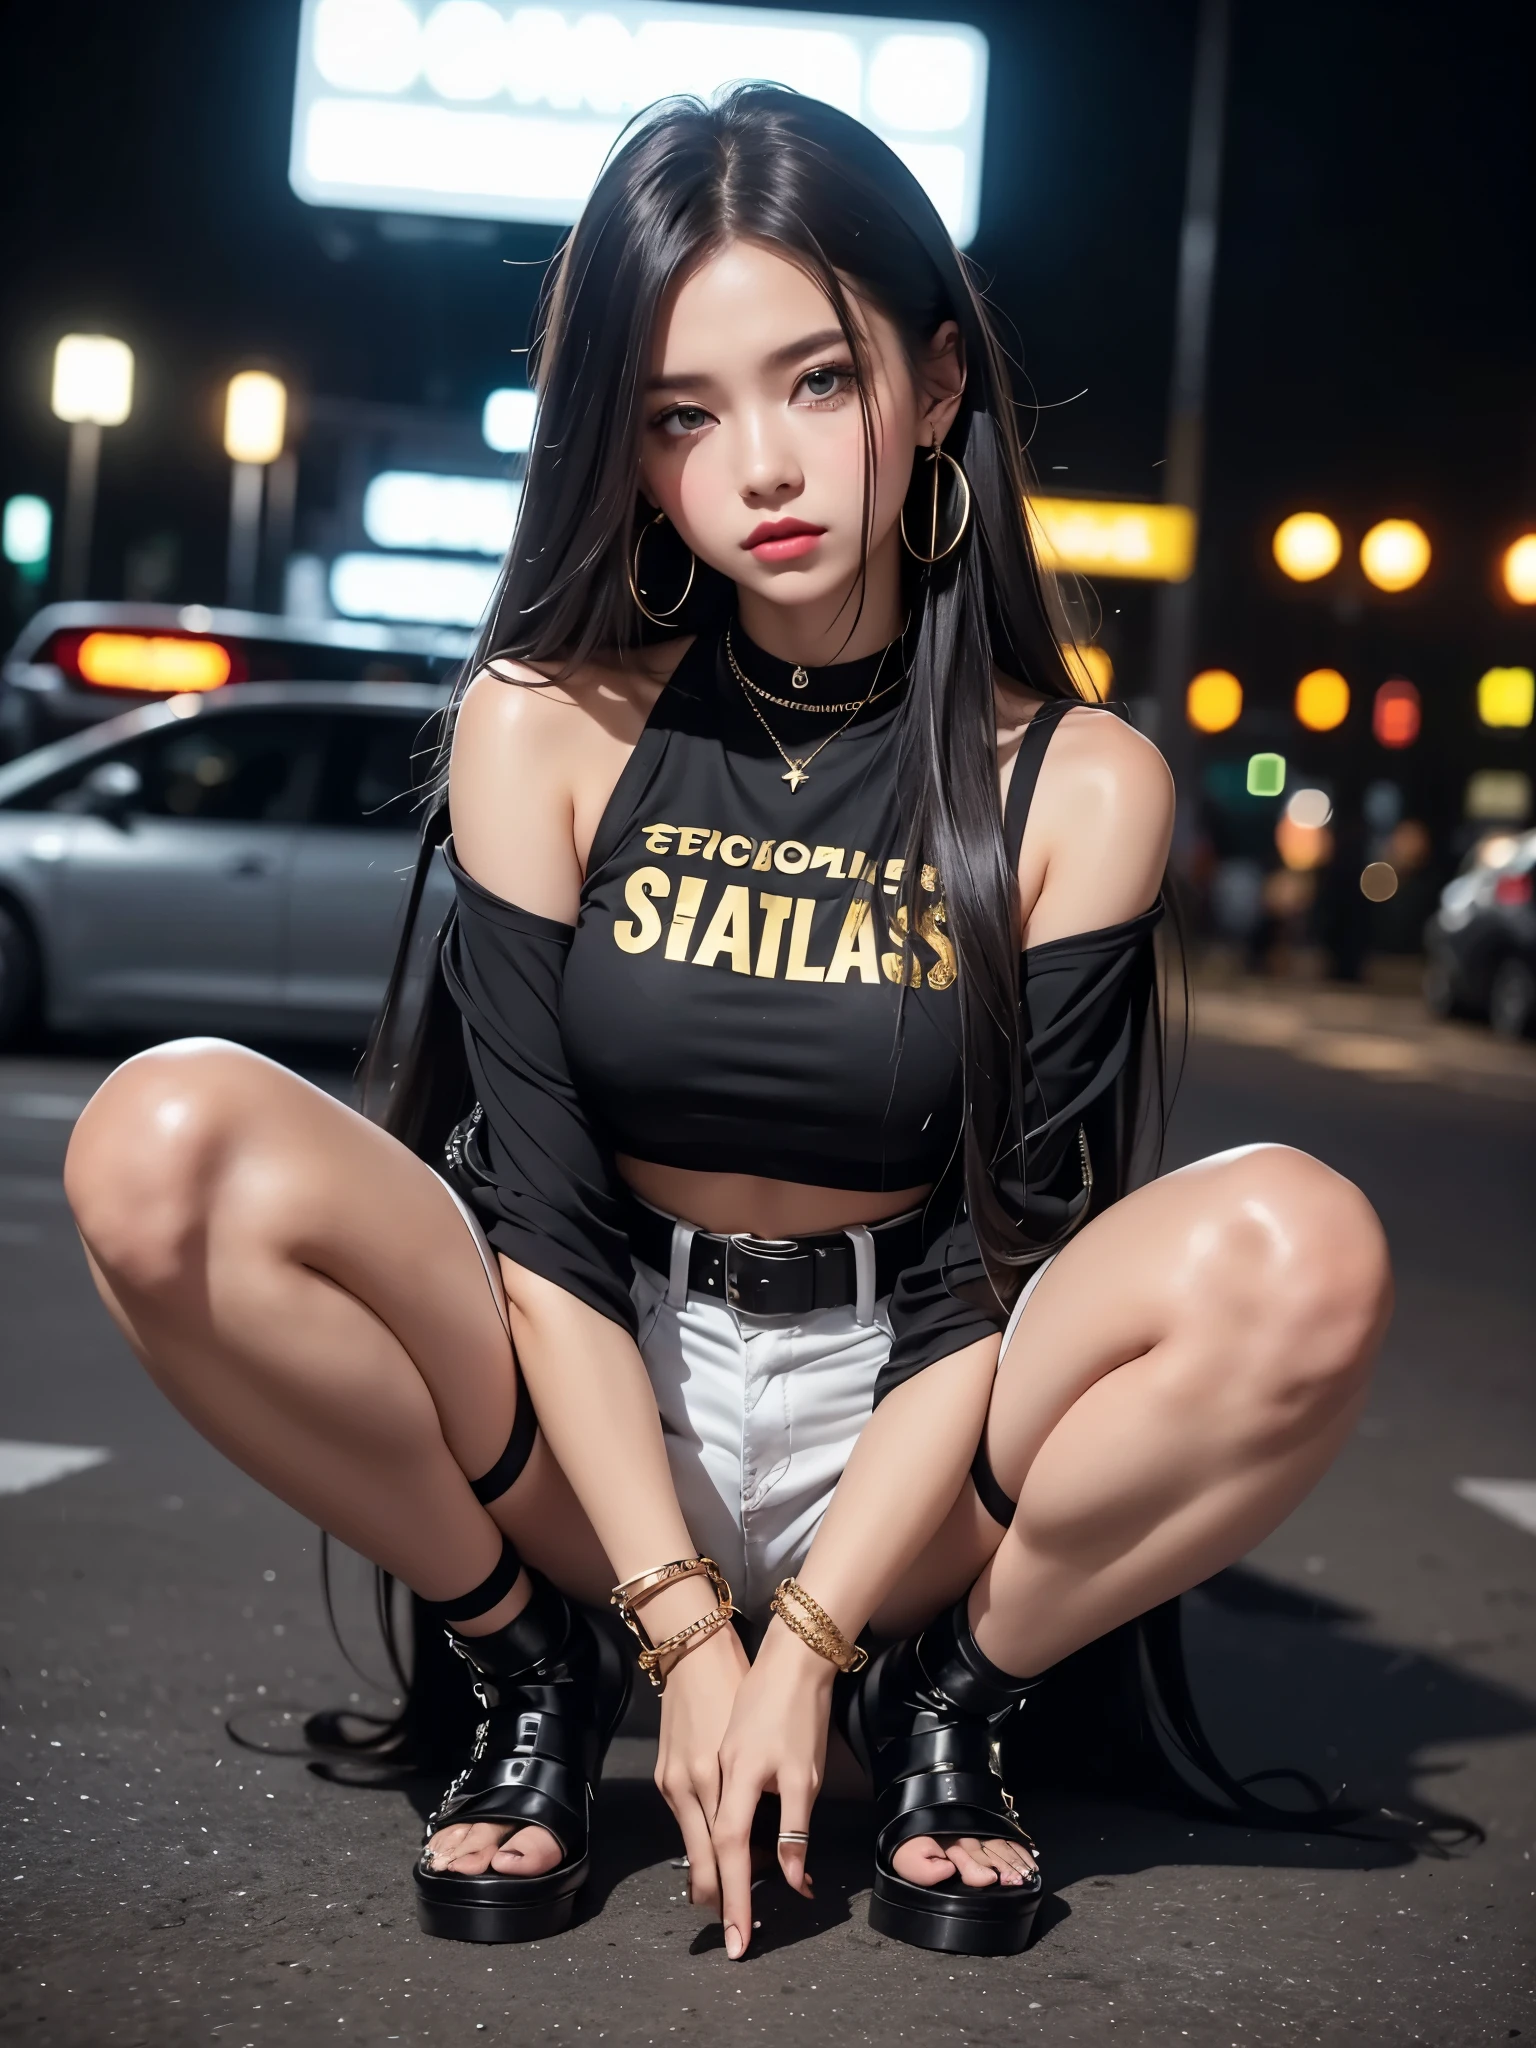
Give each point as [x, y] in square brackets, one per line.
[818, 188]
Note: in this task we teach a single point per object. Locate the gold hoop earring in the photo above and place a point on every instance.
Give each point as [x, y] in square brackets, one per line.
[657, 618]
[935, 552]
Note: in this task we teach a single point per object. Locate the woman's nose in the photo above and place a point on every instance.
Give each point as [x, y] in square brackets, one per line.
[769, 468]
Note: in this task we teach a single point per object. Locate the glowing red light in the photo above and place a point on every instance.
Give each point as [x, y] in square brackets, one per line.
[1396, 715]
[1512, 890]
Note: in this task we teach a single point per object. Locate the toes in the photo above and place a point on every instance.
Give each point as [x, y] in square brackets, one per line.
[971, 1863]
[466, 1851]
[1010, 1861]
[922, 1861]
[528, 1853]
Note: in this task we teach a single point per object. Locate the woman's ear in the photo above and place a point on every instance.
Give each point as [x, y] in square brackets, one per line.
[943, 382]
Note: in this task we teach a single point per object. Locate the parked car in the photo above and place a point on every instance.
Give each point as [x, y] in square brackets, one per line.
[1481, 942]
[75, 665]
[236, 861]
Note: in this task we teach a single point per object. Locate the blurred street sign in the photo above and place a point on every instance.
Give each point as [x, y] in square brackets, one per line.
[501, 112]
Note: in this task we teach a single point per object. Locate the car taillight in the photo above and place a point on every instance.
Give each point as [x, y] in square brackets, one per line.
[151, 664]
[1512, 890]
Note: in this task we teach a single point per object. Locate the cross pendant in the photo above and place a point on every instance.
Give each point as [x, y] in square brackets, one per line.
[795, 776]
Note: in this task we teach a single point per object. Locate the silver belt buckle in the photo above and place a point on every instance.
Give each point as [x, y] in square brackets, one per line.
[759, 1247]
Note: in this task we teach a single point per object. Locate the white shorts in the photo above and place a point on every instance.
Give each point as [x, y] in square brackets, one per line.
[760, 1416]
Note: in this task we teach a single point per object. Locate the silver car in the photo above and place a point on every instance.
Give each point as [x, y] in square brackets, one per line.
[236, 862]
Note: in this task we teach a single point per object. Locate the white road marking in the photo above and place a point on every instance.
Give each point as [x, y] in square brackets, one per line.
[61, 1109]
[23, 1466]
[1512, 1500]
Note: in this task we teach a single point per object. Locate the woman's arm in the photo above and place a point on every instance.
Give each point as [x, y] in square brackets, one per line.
[527, 768]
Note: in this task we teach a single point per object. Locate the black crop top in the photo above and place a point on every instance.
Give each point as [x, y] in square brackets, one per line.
[727, 1002]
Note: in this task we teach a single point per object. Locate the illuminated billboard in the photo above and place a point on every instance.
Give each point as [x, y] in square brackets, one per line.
[505, 112]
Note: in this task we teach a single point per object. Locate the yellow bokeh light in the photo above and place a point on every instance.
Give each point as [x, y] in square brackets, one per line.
[1090, 669]
[1322, 700]
[1214, 700]
[140, 661]
[1104, 538]
[1520, 569]
[1395, 554]
[1307, 545]
[1303, 847]
[1506, 696]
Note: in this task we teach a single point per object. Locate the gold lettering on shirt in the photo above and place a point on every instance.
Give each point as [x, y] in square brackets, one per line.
[830, 858]
[855, 948]
[658, 838]
[941, 975]
[797, 967]
[690, 894]
[892, 963]
[641, 934]
[710, 845]
[775, 911]
[894, 869]
[729, 931]
[856, 866]
[793, 857]
[736, 839]
[930, 880]
[764, 857]
[690, 838]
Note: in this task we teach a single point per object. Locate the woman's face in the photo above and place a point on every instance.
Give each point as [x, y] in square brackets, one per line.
[753, 437]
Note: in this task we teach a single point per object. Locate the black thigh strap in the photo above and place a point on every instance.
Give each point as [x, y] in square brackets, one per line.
[508, 1468]
[988, 1491]
[494, 1587]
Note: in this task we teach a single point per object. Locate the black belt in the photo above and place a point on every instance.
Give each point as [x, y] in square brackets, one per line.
[775, 1276]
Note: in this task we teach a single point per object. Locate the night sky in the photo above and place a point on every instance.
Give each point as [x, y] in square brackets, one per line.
[1375, 311]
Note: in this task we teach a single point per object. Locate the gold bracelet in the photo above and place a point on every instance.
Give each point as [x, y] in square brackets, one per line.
[686, 1639]
[629, 1595]
[816, 1627]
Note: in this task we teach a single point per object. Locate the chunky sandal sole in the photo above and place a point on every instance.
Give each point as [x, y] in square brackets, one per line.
[954, 1933]
[468, 1920]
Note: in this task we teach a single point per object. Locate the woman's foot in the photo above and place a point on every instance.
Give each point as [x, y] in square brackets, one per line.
[471, 1849]
[928, 1861]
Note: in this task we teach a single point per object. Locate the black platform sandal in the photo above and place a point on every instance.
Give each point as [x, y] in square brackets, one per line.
[554, 1688]
[925, 1719]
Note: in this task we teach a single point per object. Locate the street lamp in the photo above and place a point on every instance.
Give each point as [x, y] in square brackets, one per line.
[1307, 545]
[92, 389]
[1395, 554]
[255, 418]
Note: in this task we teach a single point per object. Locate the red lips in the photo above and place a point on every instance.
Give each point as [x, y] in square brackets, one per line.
[782, 540]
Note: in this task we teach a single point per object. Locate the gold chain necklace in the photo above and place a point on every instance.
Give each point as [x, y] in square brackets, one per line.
[797, 771]
[800, 704]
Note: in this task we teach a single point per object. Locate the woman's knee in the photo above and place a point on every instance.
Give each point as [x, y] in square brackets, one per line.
[1285, 1292]
[146, 1153]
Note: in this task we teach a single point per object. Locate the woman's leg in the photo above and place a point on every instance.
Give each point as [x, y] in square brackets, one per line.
[306, 1293]
[1181, 1378]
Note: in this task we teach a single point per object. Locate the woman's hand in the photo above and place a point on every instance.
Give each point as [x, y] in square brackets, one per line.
[696, 1707]
[776, 1742]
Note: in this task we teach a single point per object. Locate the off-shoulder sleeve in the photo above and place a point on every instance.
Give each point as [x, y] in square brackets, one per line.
[542, 1179]
[1083, 1004]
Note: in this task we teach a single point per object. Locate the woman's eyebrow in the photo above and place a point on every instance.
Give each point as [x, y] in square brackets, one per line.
[791, 352]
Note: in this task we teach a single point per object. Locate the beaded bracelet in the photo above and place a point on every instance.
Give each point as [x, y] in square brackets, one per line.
[816, 1627]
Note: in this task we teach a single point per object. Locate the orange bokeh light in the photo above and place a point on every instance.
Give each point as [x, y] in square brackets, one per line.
[1322, 700]
[1214, 700]
[158, 662]
[1397, 715]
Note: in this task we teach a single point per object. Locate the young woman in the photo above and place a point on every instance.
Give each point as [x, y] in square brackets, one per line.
[801, 998]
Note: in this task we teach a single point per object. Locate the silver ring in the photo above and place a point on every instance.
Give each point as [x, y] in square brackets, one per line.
[787, 1837]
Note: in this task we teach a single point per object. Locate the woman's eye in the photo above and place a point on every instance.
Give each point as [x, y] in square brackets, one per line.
[825, 383]
[684, 419]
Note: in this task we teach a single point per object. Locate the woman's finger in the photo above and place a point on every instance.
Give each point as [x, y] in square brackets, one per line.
[693, 1822]
[795, 1797]
[732, 1836]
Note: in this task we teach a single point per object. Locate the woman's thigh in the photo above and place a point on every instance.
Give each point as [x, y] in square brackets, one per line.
[1254, 1286]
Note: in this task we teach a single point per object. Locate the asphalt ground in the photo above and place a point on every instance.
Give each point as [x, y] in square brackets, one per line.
[163, 1884]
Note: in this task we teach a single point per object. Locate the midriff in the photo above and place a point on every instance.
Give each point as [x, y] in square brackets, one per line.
[743, 1203]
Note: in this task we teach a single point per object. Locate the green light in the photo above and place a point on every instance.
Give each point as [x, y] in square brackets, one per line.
[26, 531]
[1266, 774]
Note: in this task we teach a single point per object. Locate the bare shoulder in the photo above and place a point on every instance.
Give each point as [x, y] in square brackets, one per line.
[533, 763]
[1099, 827]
